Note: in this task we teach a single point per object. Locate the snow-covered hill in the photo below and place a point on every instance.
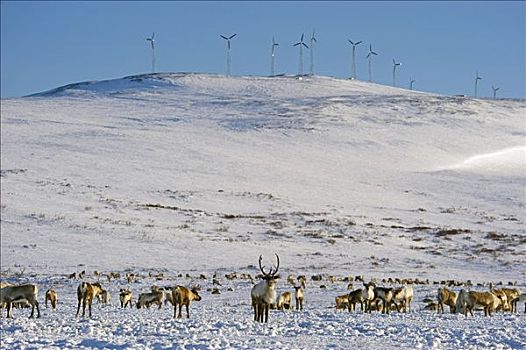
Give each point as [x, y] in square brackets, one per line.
[198, 173]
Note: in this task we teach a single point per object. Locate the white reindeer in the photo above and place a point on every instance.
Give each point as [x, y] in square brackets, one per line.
[264, 293]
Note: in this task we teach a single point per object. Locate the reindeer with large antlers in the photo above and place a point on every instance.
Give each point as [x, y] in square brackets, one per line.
[264, 293]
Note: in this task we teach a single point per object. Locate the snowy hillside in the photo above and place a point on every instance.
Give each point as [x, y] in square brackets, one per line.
[197, 173]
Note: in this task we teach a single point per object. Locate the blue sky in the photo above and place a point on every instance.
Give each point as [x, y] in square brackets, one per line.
[441, 44]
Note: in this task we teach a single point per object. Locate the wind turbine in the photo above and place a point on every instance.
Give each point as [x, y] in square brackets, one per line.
[152, 42]
[369, 57]
[395, 64]
[411, 81]
[495, 89]
[274, 46]
[477, 78]
[301, 44]
[354, 44]
[312, 41]
[228, 63]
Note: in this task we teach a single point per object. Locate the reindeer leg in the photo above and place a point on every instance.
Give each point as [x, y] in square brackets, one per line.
[9, 306]
[78, 308]
[187, 310]
[38, 309]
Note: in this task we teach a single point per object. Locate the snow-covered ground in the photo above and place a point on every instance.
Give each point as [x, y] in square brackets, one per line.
[196, 173]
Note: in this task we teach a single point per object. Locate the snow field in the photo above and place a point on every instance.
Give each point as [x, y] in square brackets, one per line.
[203, 173]
[226, 321]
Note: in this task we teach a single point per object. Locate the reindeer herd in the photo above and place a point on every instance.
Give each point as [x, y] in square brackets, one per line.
[264, 297]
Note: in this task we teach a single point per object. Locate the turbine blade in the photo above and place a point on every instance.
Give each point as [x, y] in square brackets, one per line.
[349, 40]
[228, 42]
[296, 44]
[305, 45]
[153, 35]
[358, 43]
[394, 62]
[232, 36]
[224, 37]
[302, 34]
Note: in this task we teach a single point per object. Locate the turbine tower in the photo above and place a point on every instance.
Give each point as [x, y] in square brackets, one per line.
[228, 63]
[312, 41]
[152, 42]
[354, 44]
[477, 78]
[395, 64]
[411, 81]
[369, 57]
[495, 89]
[274, 46]
[301, 44]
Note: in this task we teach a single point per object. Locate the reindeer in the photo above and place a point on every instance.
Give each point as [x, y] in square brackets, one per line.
[264, 293]
[299, 295]
[51, 295]
[125, 297]
[404, 295]
[147, 299]
[368, 295]
[184, 296]
[504, 305]
[512, 297]
[448, 297]
[522, 299]
[467, 301]
[104, 297]
[356, 296]
[342, 302]
[11, 294]
[284, 301]
[86, 292]
[464, 303]
[385, 295]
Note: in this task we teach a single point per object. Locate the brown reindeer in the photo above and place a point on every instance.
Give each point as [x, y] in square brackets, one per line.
[264, 293]
[342, 302]
[467, 301]
[448, 297]
[184, 296]
[86, 292]
[512, 295]
[51, 295]
[284, 301]
[299, 296]
[125, 297]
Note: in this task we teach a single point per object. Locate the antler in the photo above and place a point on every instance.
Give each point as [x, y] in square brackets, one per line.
[261, 267]
[271, 271]
[277, 266]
